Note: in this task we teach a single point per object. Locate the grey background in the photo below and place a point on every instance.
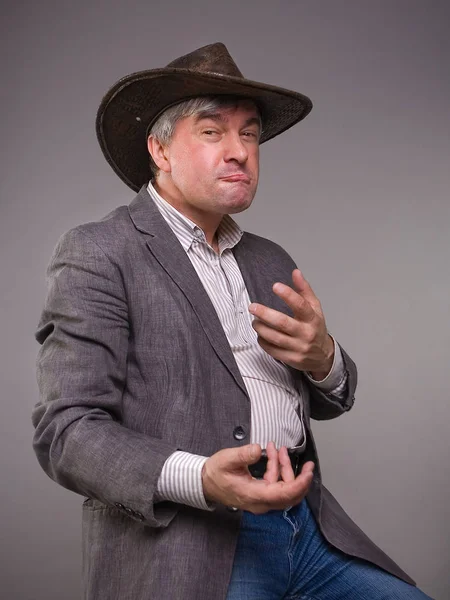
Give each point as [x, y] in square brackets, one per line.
[358, 194]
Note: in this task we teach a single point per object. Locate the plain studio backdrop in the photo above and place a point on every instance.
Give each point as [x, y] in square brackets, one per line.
[358, 193]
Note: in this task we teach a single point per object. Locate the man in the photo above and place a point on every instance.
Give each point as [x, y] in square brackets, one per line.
[182, 360]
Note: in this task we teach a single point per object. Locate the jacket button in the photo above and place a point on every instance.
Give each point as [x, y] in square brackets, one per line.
[119, 505]
[239, 433]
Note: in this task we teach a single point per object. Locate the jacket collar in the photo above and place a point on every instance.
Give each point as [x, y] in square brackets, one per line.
[145, 215]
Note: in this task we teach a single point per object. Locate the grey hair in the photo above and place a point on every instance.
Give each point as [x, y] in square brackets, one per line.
[163, 128]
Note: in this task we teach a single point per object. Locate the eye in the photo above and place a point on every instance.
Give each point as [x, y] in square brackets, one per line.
[252, 135]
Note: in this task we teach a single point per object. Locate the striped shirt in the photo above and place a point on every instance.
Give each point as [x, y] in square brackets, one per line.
[275, 402]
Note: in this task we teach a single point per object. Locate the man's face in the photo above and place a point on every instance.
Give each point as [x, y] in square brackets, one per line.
[213, 160]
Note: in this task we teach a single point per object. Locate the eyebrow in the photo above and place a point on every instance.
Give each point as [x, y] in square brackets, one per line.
[217, 116]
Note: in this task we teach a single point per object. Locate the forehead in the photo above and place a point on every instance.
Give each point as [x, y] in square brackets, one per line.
[245, 110]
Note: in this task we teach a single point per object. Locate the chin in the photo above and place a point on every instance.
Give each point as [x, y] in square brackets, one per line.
[234, 210]
[238, 204]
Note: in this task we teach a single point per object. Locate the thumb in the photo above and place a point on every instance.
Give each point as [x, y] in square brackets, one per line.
[243, 456]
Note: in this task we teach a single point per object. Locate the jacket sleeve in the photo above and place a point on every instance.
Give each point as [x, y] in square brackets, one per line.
[81, 370]
[325, 406]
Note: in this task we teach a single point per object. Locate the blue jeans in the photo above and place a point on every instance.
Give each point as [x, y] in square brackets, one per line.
[282, 555]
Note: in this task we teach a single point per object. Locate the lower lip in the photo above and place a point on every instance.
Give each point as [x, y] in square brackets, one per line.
[236, 179]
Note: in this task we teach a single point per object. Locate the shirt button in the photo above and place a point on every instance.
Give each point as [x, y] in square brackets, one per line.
[239, 433]
[232, 508]
[197, 233]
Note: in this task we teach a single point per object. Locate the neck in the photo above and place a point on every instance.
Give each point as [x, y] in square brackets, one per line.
[208, 222]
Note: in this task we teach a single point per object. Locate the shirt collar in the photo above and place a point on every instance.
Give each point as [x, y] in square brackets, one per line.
[228, 234]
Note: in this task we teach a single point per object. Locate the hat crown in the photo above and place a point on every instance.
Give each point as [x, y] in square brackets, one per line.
[213, 58]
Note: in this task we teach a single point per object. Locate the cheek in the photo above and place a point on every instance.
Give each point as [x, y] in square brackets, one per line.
[256, 159]
[180, 167]
[254, 166]
[203, 160]
[194, 165]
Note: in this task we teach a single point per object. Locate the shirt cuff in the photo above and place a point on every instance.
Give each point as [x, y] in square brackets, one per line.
[181, 480]
[335, 378]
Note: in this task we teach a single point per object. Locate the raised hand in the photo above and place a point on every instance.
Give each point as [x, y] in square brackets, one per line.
[301, 341]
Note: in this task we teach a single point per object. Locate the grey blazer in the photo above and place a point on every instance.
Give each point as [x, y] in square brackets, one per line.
[134, 364]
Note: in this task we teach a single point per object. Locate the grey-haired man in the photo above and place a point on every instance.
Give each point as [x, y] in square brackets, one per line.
[182, 360]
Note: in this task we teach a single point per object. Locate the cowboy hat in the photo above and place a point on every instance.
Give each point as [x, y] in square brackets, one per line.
[135, 102]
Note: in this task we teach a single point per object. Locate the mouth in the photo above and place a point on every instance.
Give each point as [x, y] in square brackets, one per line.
[236, 177]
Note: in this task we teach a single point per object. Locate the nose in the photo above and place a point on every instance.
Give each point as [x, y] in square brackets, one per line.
[235, 149]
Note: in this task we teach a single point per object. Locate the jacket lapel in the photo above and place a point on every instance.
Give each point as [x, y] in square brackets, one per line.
[168, 251]
[260, 271]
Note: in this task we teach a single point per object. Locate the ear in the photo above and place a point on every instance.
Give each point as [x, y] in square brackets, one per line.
[159, 154]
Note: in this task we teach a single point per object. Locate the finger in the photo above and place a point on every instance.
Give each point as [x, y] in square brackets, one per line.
[307, 468]
[274, 318]
[234, 458]
[287, 473]
[274, 336]
[272, 473]
[281, 494]
[298, 303]
[298, 486]
[303, 287]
